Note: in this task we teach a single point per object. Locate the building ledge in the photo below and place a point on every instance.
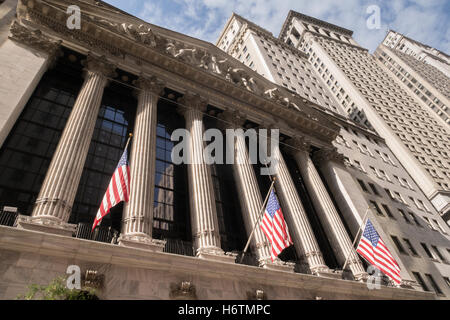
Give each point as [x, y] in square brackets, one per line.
[101, 253]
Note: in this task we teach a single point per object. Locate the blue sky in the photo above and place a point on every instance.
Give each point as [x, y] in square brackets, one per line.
[427, 21]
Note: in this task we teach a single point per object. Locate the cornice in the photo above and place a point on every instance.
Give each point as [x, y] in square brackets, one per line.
[35, 39]
[205, 67]
[293, 14]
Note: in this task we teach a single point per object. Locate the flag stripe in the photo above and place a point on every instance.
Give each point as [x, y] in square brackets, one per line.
[373, 249]
[118, 189]
[274, 227]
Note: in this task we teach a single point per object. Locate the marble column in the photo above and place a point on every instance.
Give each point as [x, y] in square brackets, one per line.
[249, 194]
[203, 212]
[54, 203]
[305, 242]
[137, 221]
[328, 215]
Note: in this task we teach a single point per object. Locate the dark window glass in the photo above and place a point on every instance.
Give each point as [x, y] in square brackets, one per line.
[363, 185]
[433, 283]
[410, 247]
[377, 208]
[398, 245]
[26, 154]
[438, 253]
[427, 251]
[420, 281]
[388, 211]
[374, 189]
[171, 202]
[107, 145]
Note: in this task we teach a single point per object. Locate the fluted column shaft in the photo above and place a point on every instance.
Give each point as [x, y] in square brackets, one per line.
[248, 190]
[204, 222]
[304, 240]
[328, 215]
[138, 212]
[59, 189]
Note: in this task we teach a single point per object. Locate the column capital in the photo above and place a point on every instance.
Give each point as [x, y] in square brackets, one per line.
[330, 154]
[233, 118]
[152, 84]
[99, 65]
[192, 101]
[36, 40]
[298, 144]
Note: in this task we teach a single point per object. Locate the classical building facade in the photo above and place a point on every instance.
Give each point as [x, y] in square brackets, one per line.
[377, 178]
[70, 98]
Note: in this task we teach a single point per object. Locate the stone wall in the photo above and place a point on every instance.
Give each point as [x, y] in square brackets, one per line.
[28, 257]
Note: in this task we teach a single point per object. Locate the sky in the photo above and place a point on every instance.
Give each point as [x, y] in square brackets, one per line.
[427, 21]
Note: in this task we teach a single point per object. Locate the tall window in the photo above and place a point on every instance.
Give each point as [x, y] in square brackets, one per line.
[420, 281]
[114, 122]
[26, 154]
[171, 216]
[433, 284]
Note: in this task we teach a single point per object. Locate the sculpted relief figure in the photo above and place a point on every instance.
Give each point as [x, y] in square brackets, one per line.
[211, 63]
[179, 52]
[140, 33]
[276, 95]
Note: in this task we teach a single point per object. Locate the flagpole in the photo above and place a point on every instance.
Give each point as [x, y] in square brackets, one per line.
[363, 224]
[130, 135]
[260, 214]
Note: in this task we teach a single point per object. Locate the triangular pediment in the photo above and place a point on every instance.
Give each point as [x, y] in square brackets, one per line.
[121, 35]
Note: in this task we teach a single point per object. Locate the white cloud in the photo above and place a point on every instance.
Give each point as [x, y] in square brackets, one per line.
[424, 20]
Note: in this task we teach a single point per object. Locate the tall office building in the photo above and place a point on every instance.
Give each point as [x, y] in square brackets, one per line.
[416, 135]
[419, 69]
[378, 177]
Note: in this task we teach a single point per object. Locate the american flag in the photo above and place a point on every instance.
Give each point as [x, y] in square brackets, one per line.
[274, 227]
[118, 189]
[373, 249]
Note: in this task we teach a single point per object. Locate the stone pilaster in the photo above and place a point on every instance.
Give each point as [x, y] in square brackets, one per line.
[54, 203]
[18, 81]
[302, 234]
[137, 221]
[36, 40]
[328, 215]
[204, 221]
[249, 193]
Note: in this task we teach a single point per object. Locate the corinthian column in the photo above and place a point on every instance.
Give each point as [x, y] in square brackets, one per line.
[249, 194]
[54, 203]
[137, 221]
[204, 222]
[328, 215]
[302, 234]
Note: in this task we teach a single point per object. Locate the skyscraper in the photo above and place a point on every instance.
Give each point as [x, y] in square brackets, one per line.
[325, 65]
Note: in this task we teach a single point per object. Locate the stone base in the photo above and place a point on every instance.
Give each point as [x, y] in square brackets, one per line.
[361, 277]
[277, 265]
[327, 273]
[142, 242]
[47, 225]
[216, 255]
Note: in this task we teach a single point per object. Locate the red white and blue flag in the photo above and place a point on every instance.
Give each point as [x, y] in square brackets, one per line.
[373, 249]
[118, 189]
[275, 228]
